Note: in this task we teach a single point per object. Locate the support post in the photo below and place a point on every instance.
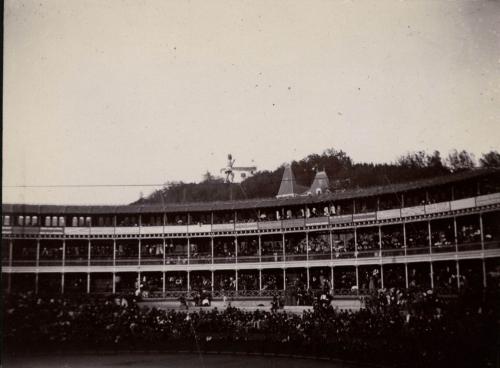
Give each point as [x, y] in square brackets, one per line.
[307, 275]
[380, 256]
[212, 250]
[355, 243]
[382, 275]
[139, 254]
[481, 229]
[62, 282]
[430, 235]
[406, 275]
[283, 242]
[63, 252]
[212, 271]
[284, 279]
[331, 245]
[405, 246]
[11, 246]
[236, 280]
[260, 249]
[332, 281]
[89, 253]
[260, 280]
[307, 246]
[88, 282]
[9, 275]
[485, 279]
[37, 262]
[236, 250]
[432, 275]
[357, 279]
[455, 233]
[114, 255]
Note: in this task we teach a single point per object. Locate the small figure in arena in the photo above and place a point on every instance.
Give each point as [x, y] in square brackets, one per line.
[206, 299]
[183, 301]
[197, 299]
[274, 304]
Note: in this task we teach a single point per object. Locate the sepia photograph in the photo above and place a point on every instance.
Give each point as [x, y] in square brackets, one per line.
[236, 184]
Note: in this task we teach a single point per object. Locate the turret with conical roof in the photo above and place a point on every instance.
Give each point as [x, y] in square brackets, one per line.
[320, 184]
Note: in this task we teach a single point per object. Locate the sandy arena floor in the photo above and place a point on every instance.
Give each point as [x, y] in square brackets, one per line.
[165, 361]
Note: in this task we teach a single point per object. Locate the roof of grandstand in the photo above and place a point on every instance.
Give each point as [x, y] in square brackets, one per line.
[249, 203]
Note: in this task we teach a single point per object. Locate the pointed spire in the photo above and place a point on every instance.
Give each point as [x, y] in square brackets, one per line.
[288, 186]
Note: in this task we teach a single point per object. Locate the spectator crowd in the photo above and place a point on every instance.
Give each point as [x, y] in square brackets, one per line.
[396, 327]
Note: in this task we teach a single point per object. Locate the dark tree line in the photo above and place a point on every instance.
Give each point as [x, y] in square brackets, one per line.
[340, 168]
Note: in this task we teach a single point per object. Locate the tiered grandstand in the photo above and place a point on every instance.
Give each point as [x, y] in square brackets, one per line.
[441, 233]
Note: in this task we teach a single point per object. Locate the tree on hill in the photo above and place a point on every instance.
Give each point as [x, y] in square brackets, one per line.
[340, 168]
[460, 161]
[490, 159]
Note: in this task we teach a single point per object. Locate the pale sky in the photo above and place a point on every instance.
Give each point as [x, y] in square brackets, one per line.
[135, 92]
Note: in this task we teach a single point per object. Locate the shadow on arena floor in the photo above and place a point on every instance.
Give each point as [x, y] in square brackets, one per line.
[166, 360]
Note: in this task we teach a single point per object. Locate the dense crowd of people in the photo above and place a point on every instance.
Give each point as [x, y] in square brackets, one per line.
[396, 327]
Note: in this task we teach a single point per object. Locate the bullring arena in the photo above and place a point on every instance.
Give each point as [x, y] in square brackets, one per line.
[380, 275]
